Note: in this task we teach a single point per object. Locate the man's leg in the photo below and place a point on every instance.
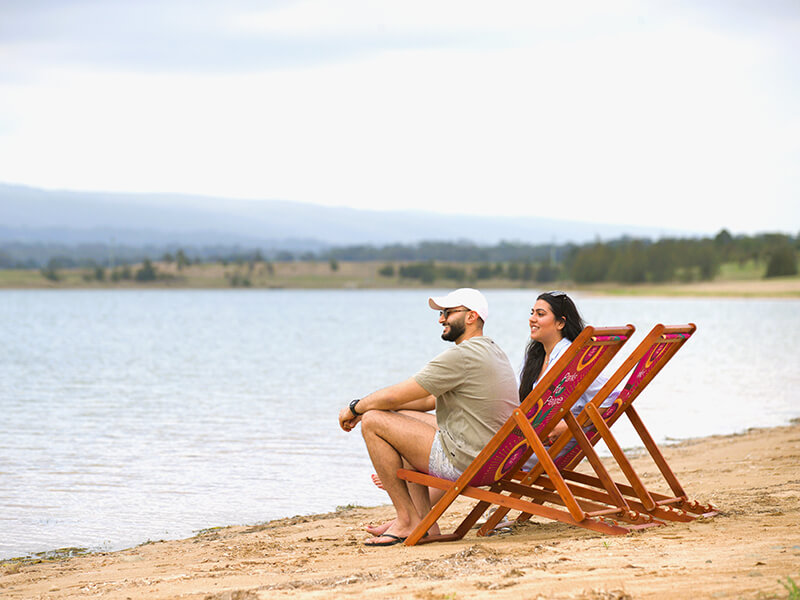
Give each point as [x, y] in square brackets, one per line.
[419, 493]
[390, 438]
[434, 494]
[416, 490]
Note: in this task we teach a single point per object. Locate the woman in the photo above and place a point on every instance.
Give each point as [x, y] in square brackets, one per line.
[555, 322]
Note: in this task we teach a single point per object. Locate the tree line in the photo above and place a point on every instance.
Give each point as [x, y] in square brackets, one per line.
[625, 260]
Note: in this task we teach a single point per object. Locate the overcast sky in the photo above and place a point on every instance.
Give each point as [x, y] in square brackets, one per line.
[678, 114]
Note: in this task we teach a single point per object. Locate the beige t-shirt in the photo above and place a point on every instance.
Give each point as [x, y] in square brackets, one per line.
[475, 390]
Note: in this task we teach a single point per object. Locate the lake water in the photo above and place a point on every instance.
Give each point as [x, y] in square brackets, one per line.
[130, 416]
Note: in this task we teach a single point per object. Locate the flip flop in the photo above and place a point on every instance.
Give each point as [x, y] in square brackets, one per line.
[500, 529]
[396, 539]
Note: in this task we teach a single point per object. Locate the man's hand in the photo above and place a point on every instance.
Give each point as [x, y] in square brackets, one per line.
[407, 395]
[346, 419]
[560, 428]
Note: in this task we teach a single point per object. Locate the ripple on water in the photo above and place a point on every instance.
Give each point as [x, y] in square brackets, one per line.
[130, 416]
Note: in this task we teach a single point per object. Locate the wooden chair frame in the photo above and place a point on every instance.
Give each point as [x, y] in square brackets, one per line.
[548, 403]
[647, 360]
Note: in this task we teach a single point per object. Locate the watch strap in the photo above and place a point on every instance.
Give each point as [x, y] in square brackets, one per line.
[353, 407]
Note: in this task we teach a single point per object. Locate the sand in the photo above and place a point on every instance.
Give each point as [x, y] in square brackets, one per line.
[753, 479]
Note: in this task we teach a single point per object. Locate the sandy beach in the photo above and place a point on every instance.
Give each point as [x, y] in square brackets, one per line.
[752, 478]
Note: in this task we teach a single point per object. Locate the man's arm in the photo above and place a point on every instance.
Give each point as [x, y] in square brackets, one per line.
[421, 404]
[407, 395]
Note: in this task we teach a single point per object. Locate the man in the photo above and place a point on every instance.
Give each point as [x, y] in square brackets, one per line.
[471, 386]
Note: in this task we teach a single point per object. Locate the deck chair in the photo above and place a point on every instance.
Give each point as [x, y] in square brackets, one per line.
[549, 402]
[655, 350]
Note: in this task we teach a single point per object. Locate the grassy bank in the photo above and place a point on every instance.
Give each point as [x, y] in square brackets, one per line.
[733, 281]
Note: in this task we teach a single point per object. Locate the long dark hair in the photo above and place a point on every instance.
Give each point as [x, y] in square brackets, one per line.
[564, 309]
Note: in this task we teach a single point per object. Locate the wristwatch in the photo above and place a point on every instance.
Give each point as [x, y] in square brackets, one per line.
[353, 408]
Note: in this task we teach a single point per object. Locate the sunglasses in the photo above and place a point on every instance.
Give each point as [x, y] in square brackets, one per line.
[449, 311]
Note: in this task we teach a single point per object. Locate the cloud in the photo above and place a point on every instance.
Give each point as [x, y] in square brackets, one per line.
[242, 35]
[203, 36]
[614, 113]
[363, 17]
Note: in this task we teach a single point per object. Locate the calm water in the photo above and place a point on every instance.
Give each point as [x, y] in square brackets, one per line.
[130, 416]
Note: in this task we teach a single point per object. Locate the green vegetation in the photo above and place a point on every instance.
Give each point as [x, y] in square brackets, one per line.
[99, 273]
[732, 279]
[625, 261]
[791, 587]
[182, 260]
[122, 274]
[147, 272]
[39, 557]
[208, 530]
[628, 266]
[425, 272]
[782, 262]
[346, 507]
[50, 272]
[238, 279]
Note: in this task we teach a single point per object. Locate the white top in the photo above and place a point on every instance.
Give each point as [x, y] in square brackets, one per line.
[590, 393]
[593, 388]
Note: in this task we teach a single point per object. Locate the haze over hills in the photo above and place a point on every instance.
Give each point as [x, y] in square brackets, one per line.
[31, 215]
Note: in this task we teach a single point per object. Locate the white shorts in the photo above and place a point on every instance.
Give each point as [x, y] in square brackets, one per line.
[439, 464]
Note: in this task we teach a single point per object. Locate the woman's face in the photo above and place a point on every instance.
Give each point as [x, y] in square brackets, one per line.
[544, 326]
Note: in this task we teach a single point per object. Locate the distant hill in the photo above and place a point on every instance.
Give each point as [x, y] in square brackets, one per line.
[31, 215]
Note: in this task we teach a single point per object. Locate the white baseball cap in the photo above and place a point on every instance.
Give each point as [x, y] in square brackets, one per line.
[468, 297]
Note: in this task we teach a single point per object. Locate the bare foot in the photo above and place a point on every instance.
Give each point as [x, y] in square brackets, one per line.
[378, 530]
[377, 480]
[388, 538]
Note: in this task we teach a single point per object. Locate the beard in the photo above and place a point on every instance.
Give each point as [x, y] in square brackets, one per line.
[456, 330]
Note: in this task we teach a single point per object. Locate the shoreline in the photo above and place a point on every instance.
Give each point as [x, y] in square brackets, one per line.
[71, 551]
[722, 290]
[752, 477]
[365, 275]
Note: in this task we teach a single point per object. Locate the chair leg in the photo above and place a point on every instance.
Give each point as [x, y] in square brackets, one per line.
[619, 456]
[655, 453]
[596, 463]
